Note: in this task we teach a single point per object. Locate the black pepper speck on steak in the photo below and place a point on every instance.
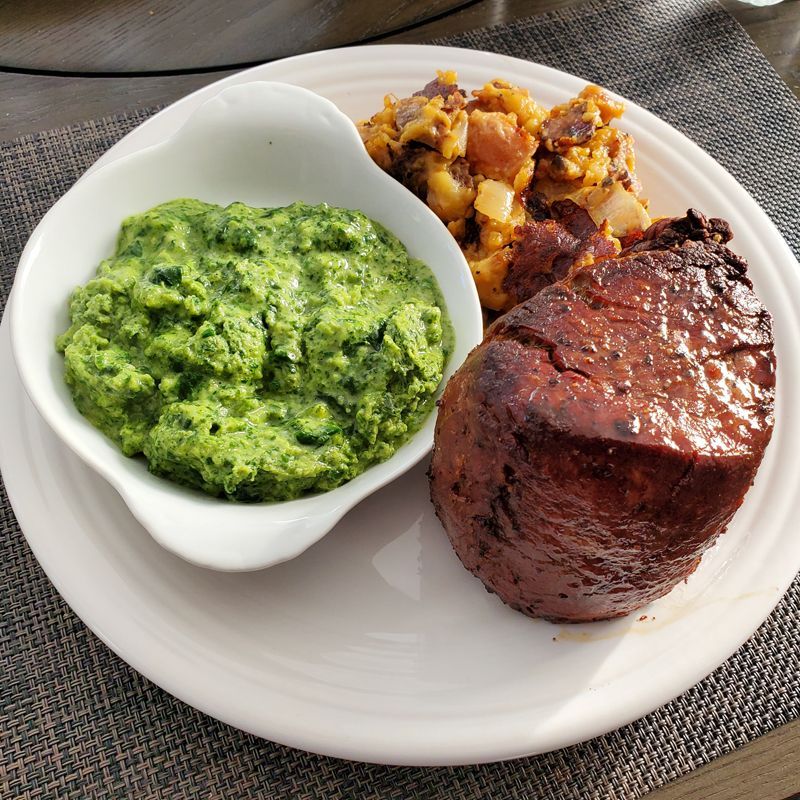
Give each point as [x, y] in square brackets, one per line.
[607, 429]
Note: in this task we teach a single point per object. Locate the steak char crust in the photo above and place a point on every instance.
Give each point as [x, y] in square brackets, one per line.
[673, 231]
[607, 429]
[548, 249]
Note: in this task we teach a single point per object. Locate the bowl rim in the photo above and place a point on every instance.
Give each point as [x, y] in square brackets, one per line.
[295, 524]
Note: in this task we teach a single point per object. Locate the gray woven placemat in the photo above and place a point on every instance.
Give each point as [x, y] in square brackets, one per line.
[76, 722]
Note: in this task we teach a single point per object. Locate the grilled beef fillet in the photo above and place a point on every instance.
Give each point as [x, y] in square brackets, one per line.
[607, 429]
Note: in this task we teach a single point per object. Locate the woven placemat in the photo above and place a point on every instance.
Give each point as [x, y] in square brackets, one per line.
[76, 722]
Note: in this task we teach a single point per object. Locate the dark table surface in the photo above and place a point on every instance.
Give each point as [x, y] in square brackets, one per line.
[65, 62]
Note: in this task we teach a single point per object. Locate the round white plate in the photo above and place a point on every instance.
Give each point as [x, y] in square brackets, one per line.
[375, 644]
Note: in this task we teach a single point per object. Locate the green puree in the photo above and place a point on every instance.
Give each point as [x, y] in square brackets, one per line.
[258, 354]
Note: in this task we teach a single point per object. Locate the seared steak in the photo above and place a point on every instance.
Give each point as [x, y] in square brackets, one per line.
[673, 231]
[604, 433]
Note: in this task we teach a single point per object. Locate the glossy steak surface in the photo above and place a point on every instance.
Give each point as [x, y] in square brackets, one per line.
[607, 429]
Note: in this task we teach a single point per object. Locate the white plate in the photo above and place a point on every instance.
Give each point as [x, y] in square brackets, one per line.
[375, 644]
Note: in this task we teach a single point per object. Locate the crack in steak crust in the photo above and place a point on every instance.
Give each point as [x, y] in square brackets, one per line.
[606, 430]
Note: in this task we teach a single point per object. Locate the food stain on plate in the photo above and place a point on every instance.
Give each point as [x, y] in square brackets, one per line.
[646, 624]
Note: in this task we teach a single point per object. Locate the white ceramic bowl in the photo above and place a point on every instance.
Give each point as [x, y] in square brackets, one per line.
[264, 144]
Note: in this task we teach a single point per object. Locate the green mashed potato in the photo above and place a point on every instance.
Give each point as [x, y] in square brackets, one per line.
[257, 354]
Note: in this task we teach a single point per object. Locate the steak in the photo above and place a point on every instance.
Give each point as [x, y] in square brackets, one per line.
[607, 429]
[673, 231]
